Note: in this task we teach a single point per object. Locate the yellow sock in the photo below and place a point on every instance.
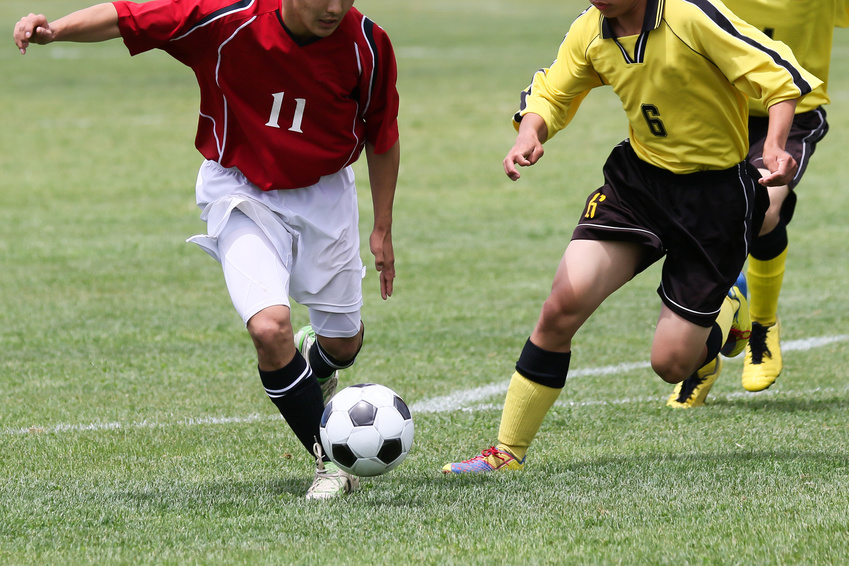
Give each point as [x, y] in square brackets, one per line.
[525, 407]
[765, 279]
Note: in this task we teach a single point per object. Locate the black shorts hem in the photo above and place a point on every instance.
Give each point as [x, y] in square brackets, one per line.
[703, 320]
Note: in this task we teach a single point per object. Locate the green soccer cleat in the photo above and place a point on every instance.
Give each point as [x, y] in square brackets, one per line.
[329, 480]
[491, 459]
[763, 363]
[741, 326]
[692, 391]
[304, 340]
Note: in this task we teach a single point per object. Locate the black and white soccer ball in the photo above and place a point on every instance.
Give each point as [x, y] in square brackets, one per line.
[366, 429]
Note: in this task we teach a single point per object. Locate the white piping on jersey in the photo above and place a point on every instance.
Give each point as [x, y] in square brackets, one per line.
[357, 113]
[624, 52]
[223, 142]
[277, 393]
[359, 63]
[219, 16]
[214, 132]
[360, 113]
[356, 137]
[639, 49]
[373, 66]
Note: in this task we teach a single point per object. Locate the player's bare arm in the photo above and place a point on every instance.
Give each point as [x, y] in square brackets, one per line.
[781, 164]
[92, 24]
[528, 148]
[383, 178]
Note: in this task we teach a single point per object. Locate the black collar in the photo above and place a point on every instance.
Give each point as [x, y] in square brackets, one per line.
[652, 19]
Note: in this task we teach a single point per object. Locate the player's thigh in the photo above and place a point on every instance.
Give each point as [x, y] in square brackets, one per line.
[256, 277]
[327, 270]
[589, 272]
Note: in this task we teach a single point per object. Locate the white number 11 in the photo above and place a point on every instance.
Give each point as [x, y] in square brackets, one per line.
[296, 119]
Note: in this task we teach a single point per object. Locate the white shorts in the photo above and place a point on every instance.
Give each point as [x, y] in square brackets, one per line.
[272, 245]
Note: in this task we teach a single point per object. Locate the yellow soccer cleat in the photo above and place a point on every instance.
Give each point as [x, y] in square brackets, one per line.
[741, 325]
[762, 364]
[692, 391]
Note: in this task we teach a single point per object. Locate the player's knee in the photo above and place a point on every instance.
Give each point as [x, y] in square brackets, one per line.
[671, 368]
[268, 330]
[559, 317]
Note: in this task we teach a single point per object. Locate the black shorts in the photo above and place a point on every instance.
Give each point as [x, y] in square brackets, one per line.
[807, 130]
[702, 222]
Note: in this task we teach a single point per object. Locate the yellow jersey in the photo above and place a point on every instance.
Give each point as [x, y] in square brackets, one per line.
[807, 27]
[684, 81]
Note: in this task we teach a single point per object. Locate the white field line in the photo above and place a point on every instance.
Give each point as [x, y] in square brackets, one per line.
[466, 400]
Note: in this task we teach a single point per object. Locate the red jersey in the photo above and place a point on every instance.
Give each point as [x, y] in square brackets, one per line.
[284, 113]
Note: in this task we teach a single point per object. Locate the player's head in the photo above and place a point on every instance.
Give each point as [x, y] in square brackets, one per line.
[314, 18]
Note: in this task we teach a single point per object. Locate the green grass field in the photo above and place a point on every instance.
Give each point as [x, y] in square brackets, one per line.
[133, 426]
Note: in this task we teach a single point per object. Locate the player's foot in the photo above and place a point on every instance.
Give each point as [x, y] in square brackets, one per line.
[490, 460]
[692, 391]
[762, 364]
[329, 480]
[304, 340]
[741, 326]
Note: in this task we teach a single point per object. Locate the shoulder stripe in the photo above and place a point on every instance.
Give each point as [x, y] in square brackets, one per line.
[720, 20]
[367, 27]
[368, 33]
[220, 13]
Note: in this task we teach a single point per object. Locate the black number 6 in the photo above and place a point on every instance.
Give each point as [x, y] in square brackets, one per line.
[651, 113]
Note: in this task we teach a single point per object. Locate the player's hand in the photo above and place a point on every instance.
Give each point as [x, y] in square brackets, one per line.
[782, 168]
[525, 152]
[380, 243]
[33, 28]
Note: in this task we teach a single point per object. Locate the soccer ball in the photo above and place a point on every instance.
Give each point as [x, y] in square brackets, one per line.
[366, 429]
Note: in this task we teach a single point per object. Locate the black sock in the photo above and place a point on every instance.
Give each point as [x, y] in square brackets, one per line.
[323, 364]
[770, 246]
[295, 391]
[542, 366]
[713, 344]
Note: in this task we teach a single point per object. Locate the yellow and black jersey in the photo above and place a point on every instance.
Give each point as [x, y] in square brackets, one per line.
[807, 27]
[684, 81]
